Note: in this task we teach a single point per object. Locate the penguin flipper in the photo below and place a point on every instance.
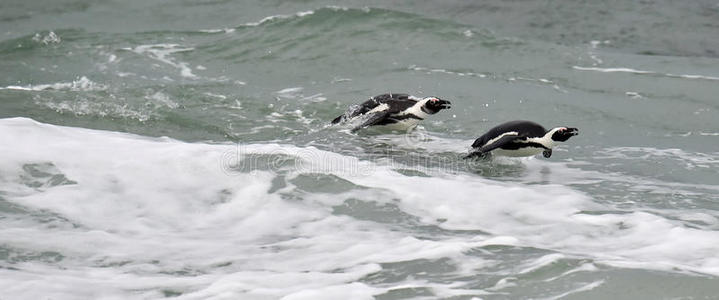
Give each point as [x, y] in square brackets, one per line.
[506, 139]
[372, 120]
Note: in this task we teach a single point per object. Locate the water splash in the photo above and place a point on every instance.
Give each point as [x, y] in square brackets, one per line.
[81, 84]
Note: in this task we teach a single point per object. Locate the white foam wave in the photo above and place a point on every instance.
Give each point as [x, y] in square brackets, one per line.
[162, 52]
[443, 71]
[482, 75]
[156, 215]
[587, 287]
[690, 159]
[292, 92]
[279, 17]
[223, 30]
[339, 80]
[162, 99]
[143, 209]
[273, 18]
[338, 8]
[642, 72]
[296, 93]
[84, 107]
[540, 216]
[81, 84]
[50, 38]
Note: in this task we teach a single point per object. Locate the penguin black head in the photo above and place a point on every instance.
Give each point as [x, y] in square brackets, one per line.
[434, 105]
[562, 134]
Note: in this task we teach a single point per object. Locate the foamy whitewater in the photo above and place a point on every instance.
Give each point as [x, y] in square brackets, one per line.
[114, 215]
[184, 151]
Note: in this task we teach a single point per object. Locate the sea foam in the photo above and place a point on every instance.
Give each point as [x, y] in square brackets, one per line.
[166, 217]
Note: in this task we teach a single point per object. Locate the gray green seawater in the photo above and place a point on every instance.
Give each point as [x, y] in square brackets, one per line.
[181, 149]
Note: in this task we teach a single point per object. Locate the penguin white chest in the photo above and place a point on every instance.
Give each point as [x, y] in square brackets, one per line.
[521, 152]
[402, 125]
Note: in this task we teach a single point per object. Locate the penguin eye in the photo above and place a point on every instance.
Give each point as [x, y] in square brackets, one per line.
[433, 100]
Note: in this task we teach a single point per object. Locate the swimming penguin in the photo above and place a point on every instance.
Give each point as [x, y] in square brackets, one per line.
[395, 111]
[520, 138]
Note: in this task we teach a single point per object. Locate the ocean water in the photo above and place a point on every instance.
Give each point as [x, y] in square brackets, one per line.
[181, 149]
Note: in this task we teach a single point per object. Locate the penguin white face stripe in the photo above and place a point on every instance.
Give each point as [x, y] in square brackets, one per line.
[416, 110]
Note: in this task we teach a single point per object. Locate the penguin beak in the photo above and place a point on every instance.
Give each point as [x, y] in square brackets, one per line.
[571, 131]
[445, 104]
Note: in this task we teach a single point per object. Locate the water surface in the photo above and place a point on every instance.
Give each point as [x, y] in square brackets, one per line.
[157, 149]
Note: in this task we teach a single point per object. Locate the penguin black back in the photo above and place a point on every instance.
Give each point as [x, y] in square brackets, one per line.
[396, 103]
[522, 128]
